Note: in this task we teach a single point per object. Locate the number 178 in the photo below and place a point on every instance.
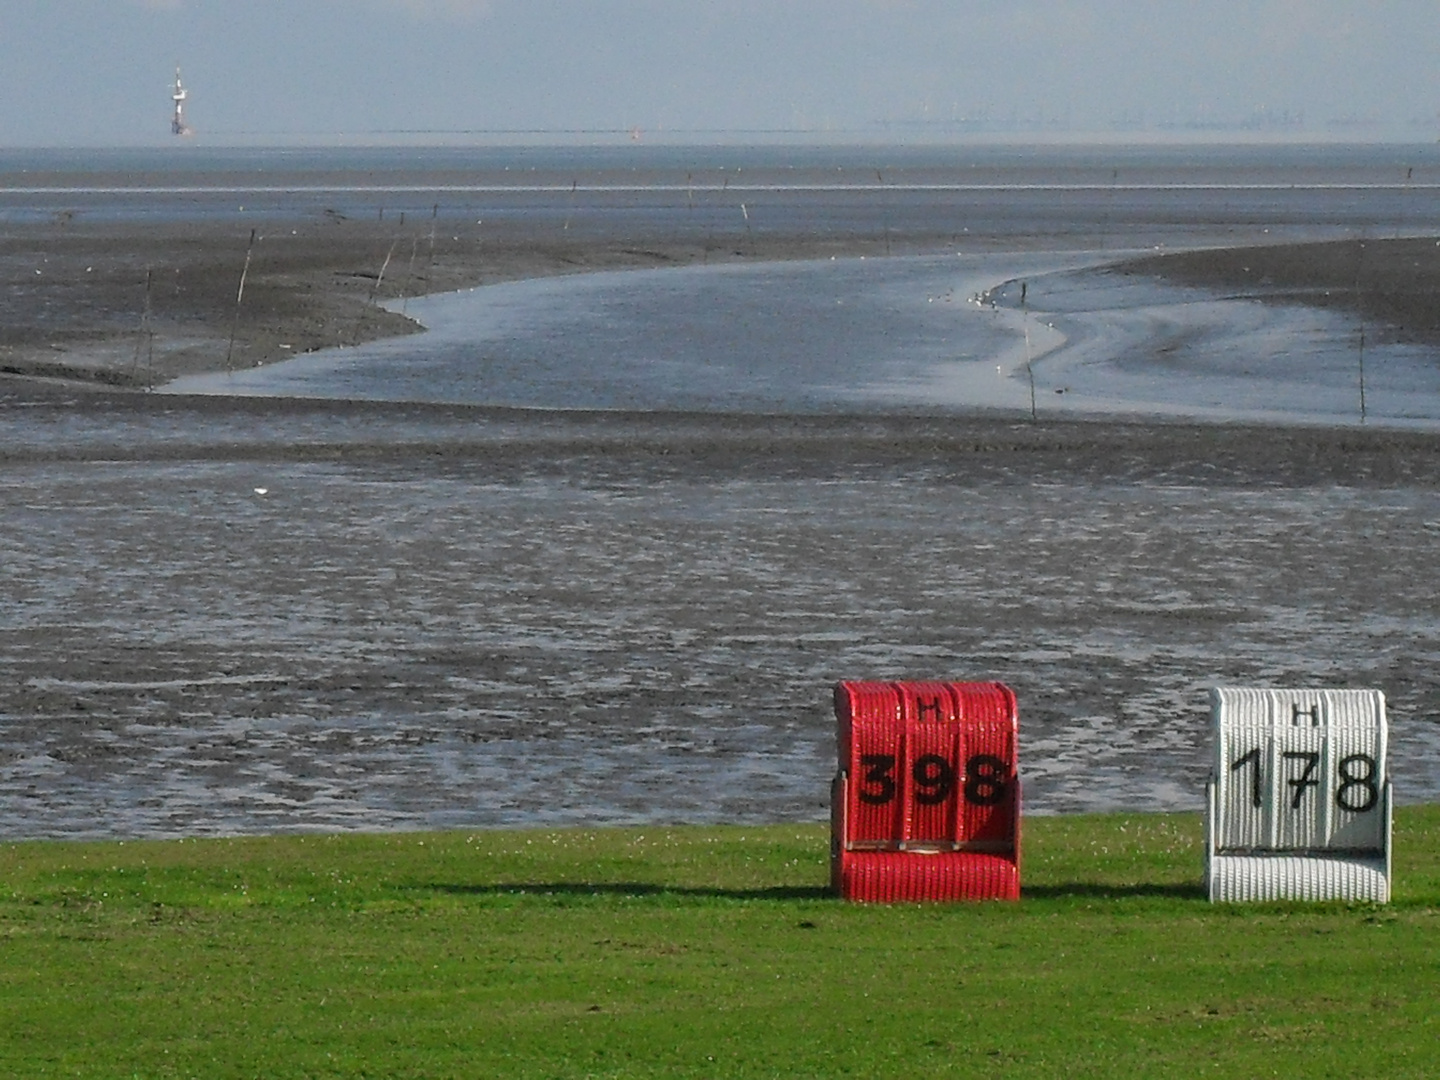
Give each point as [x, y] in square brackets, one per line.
[1355, 789]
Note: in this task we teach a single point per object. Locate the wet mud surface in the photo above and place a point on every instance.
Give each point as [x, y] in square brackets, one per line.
[1391, 283]
[229, 616]
[94, 302]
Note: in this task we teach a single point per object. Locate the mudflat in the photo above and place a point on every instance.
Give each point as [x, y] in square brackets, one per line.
[244, 615]
[1393, 284]
[133, 307]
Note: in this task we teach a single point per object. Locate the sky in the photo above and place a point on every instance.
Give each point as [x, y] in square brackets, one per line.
[77, 73]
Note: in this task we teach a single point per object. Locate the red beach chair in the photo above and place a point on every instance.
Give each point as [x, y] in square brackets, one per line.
[926, 803]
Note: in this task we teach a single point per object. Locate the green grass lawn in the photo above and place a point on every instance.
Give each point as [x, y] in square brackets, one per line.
[696, 952]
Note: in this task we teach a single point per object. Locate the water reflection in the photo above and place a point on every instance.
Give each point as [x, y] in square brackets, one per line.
[934, 332]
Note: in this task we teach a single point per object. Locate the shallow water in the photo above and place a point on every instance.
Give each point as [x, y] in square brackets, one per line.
[934, 332]
[781, 337]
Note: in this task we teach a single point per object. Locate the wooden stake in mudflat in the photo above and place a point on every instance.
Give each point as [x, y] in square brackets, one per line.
[375, 289]
[1029, 363]
[1360, 306]
[1362, 373]
[239, 296]
[886, 216]
[430, 261]
[146, 340]
[410, 274]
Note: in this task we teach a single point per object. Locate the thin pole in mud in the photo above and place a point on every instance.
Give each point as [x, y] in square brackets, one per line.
[1360, 307]
[146, 338]
[710, 232]
[1409, 179]
[885, 211]
[1107, 206]
[430, 263]
[239, 295]
[409, 275]
[1029, 367]
[570, 210]
[1362, 373]
[374, 290]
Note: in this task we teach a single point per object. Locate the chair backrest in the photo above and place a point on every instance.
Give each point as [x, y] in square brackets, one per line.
[928, 766]
[1300, 771]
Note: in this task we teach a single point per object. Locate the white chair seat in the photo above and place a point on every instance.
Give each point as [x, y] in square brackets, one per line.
[1239, 879]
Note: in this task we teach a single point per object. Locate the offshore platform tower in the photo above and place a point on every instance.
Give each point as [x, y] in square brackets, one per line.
[178, 96]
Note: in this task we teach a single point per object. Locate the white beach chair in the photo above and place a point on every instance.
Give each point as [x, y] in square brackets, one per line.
[1299, 804]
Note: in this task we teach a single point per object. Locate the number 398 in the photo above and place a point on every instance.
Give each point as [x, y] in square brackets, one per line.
[933, 779]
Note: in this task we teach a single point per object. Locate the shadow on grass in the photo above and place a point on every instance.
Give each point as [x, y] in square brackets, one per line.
[635, 889]
[1089, 890]
[1080, 890]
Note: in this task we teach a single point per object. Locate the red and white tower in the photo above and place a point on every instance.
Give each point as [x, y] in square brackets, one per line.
[178, 96]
